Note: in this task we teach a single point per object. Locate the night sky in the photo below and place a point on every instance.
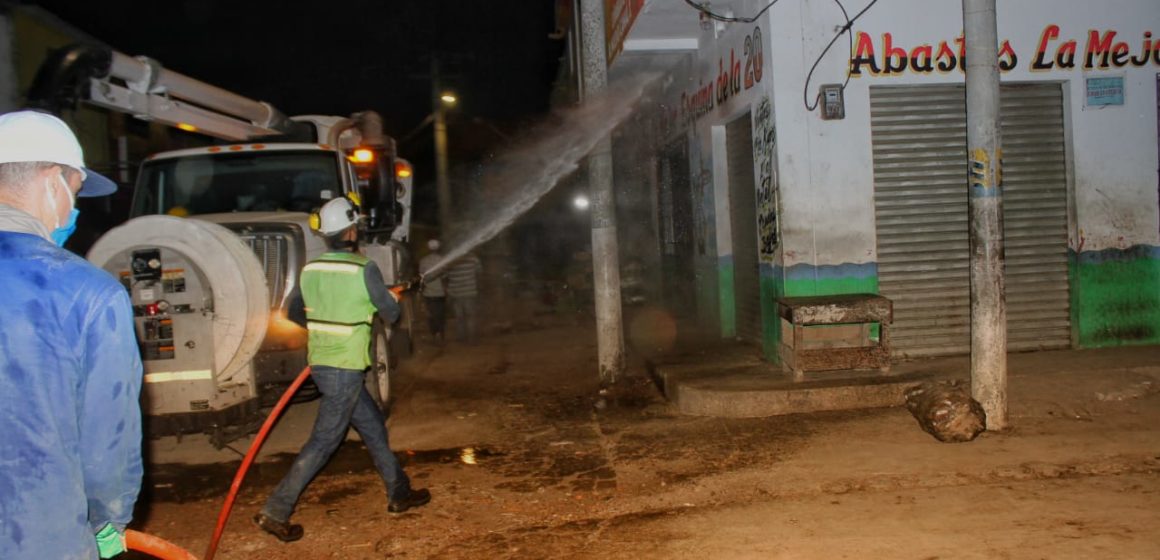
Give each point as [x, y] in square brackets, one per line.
[361, 54]
[365, 54]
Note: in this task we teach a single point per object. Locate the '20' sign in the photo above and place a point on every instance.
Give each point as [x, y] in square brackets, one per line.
[730, 78]
[754, 58]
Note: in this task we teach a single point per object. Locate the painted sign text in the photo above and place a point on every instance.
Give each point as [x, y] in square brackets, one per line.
[734, 75]
[1101, 50]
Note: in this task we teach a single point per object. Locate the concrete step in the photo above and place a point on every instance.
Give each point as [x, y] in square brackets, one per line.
[732, 380]
[751, 391]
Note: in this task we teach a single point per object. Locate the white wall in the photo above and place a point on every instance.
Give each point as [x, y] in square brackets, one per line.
[825, 166]
[721, 55]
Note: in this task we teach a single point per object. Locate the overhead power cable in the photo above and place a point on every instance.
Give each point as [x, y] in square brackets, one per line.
[728, 19]
[845, 29]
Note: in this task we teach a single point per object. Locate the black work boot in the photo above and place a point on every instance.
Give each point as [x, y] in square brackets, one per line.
[284, 530]
[415, 499]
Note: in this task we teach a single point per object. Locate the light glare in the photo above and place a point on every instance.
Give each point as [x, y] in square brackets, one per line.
[362, 155]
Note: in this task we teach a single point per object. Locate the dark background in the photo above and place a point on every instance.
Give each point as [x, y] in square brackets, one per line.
[347, 56]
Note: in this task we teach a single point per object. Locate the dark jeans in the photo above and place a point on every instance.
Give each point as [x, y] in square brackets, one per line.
[465, 318]
[345, 401]
[436, 314]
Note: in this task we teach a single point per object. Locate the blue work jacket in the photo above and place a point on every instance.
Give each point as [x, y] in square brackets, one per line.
[70, 418]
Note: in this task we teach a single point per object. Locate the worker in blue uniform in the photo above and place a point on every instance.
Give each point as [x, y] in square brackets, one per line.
[70, 369]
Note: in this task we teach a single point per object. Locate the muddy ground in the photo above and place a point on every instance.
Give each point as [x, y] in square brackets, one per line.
[523, 465]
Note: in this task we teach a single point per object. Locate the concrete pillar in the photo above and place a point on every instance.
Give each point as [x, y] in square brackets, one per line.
[605, 250]
[985, 197]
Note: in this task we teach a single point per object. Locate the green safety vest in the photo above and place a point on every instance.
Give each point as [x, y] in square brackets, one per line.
[339, 311]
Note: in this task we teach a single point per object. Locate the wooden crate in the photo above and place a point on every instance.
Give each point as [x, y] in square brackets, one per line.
[835, 332]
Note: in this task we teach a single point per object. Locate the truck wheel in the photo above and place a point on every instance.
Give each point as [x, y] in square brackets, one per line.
[378, 380]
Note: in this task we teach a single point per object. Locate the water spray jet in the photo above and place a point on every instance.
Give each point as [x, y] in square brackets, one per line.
[544, 158]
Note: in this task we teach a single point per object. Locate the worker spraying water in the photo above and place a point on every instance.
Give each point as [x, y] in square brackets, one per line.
[545, 159]
[341, 291]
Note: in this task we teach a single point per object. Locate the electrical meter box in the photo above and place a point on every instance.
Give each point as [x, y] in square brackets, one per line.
[832, 101]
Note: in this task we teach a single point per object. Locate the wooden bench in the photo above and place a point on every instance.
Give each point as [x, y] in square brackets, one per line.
[856, 312]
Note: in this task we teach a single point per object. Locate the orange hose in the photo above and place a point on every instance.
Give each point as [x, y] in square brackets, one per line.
[155, 546]
[254, 447]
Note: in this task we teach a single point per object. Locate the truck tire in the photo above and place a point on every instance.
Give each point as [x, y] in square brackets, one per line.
[378, 378]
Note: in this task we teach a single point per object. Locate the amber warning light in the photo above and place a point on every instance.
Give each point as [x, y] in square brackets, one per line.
[402, 169]
[362, 155]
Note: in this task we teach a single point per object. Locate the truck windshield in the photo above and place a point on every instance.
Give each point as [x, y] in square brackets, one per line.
[251, 181]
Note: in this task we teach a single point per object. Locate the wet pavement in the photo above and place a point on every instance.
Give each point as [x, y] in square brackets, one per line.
[521, 464]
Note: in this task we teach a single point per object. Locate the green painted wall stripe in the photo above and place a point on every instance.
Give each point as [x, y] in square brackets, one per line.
[726, 298]
[805, 280]
[1116, 297]
[771, 289]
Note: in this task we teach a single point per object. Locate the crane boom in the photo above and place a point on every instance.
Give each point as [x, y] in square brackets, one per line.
[142, 87]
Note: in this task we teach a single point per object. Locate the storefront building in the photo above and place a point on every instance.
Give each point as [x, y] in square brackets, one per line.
[799, 186]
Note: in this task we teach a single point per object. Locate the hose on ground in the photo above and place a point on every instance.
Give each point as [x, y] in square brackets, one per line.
[249, 459]
[155, 546]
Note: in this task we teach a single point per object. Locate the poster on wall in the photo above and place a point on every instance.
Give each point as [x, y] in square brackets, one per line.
[1104, 91]
[764, 147]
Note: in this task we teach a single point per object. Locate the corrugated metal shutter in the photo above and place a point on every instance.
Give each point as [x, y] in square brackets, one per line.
[743, 219]
[919, 137]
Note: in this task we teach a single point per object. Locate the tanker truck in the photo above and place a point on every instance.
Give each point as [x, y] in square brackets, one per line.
[217, 235]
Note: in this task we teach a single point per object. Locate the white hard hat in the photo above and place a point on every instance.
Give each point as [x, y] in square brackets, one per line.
[433, 244]
[335, 216]
[35, 136]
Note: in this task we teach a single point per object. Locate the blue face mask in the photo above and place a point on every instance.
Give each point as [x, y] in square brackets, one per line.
[62, 233]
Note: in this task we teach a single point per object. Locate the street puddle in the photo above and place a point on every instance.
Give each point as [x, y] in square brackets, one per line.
[463, 455]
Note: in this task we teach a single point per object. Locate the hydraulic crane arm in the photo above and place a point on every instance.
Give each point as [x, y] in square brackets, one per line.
[141, 87]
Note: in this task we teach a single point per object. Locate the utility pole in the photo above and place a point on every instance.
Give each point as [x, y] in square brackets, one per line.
[442, 182]
[605, 251]
[985, 198]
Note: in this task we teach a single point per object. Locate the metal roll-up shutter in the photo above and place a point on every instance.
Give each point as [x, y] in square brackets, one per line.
[1035, 218]
[919, 138]
[920, 202]
[743, 219]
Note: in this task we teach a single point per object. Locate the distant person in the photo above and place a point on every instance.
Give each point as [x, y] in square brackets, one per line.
[463, 289]
[70, 368]
[339, 293]
[434, 292]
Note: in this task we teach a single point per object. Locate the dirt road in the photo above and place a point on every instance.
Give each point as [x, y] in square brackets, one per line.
[521, 465]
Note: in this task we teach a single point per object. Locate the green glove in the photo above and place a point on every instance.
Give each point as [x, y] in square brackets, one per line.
[110, 541]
